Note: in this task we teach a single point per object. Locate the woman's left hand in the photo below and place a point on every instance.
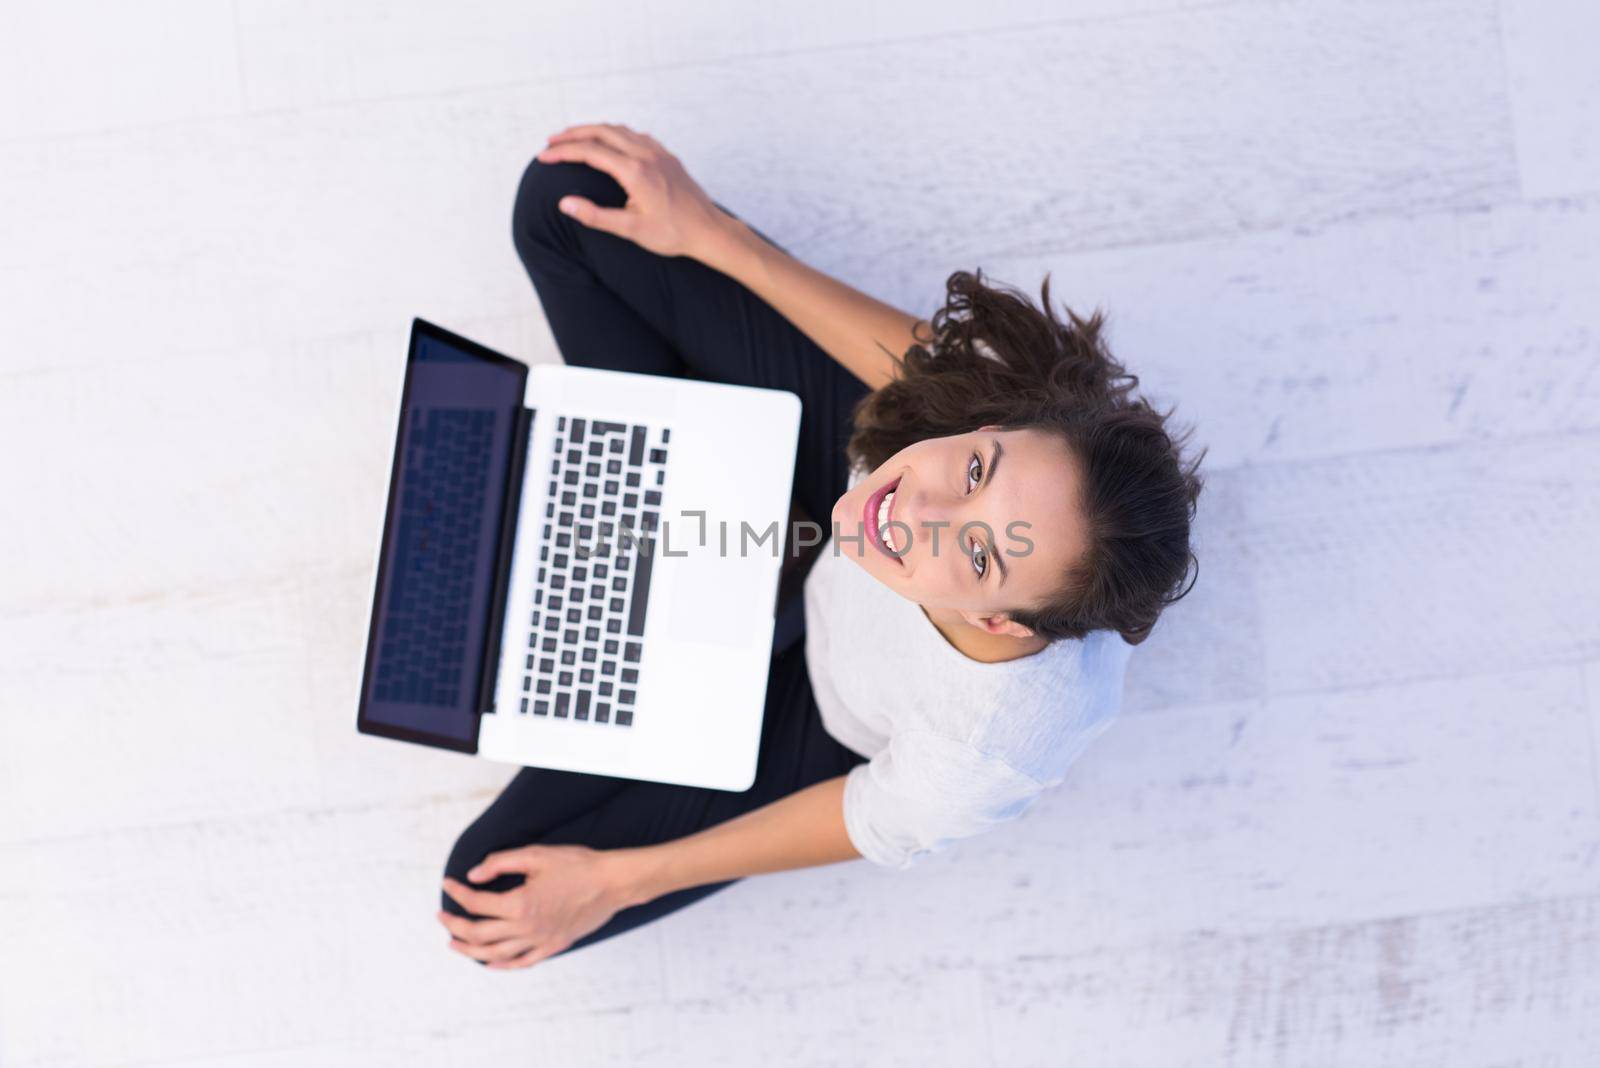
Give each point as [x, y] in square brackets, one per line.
[568, 891]
[666, 212]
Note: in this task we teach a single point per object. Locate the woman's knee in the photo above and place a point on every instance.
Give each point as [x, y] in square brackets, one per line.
[468, 853]
[535, 216]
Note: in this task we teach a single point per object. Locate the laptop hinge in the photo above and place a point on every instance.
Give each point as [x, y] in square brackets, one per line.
[521, 434]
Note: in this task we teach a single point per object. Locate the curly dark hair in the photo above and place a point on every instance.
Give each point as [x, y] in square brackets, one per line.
[1045, 374]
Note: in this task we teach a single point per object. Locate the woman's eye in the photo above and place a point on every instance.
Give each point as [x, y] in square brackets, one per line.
[974, 472]
[980, 559]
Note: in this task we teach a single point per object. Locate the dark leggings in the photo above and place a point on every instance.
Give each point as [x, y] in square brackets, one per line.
[613, 305]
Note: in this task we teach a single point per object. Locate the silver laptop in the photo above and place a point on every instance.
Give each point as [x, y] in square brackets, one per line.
[579, 568]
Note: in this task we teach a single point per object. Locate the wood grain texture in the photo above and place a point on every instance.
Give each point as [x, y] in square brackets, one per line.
[1513, 985]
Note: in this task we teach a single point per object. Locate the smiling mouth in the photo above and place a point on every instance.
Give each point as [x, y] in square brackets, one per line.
[878, 513]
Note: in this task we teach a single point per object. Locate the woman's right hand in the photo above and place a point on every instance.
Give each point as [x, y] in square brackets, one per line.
[666, 213]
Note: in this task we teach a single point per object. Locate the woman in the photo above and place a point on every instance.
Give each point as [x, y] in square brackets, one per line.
[1007, 523]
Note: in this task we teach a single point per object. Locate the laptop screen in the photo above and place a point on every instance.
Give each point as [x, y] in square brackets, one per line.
[436, 570]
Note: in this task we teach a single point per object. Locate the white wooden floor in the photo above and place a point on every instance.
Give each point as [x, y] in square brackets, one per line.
[1351, 815]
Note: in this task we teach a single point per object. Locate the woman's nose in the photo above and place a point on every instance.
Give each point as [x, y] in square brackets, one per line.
[929, 516]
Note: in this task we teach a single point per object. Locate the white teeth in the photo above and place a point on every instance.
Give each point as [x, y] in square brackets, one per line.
[883, 521]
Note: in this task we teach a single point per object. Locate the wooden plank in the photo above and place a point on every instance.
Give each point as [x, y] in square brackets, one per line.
[1555, 94]
[300, 53]
[317, 223]
[84, 66]
[1432, 562]
[1514, 984]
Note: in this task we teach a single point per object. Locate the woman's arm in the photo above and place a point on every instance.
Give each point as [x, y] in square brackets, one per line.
[862, 333]
[802, 830]
[669, 214]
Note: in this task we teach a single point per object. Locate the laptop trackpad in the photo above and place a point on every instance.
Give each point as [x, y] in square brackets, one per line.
[717, 598]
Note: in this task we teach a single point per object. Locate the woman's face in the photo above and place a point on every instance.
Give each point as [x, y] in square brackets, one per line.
[978, 523]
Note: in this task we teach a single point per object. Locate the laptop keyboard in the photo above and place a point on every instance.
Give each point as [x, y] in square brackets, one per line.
[423, 653]
[586, 623]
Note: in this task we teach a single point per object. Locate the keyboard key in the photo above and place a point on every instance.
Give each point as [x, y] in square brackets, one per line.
[641, 594]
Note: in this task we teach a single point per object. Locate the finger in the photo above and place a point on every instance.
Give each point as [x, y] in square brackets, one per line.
[612, 220]
[532, 956]
[481, 902]
[502, 863]
[477, 932]
[499, 951]
[619, 165]
[613, 135]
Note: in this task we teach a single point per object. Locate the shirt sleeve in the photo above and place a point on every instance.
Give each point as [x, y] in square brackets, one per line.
[923, 791]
